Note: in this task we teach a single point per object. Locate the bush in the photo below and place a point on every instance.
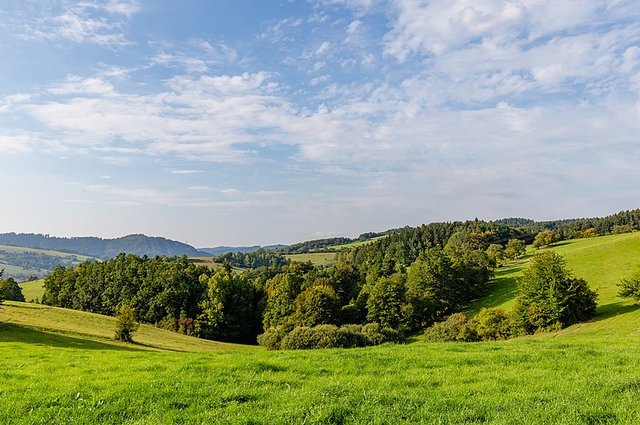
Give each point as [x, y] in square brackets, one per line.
[549, 295]
[457, 327]
[328, 336]
[377, 334]
[630, 286]
[352, 336]
[272, 338]
[126, 324]
[301, 338]
[493, 324]
[10, 290]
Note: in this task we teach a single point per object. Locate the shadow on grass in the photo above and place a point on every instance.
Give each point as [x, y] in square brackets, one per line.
[607, 311]
[10, 332]
[502, 288]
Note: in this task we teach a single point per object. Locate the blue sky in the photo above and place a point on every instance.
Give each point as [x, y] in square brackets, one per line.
[255, 122]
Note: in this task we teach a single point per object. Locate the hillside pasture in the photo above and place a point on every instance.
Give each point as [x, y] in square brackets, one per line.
[316, 258]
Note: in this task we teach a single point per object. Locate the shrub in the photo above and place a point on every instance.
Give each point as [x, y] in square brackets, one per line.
[272, 338]
[630, 286]
[126, 324]
[327, 336]
[457, 327]
[10, 290]
[352, 336]
[377, 334]
[493, 324]
[301, 338]
[550, 294]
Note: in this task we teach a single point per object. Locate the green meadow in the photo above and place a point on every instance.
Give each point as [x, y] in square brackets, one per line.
[316, 258]
[62, 366]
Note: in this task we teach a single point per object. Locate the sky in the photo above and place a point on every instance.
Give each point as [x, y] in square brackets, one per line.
[237, 122]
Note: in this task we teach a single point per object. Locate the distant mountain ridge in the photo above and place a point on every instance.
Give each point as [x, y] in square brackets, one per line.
[221, 250]
[102, 248]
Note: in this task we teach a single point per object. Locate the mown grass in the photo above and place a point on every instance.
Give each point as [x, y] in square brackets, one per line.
[33, 290]
[316, 258]
[587, 374]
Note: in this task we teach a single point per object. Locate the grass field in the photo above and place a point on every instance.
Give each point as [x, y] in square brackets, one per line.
[22, 272]
[61, 367]
[354, 244]
[33, 290]
[316, 258]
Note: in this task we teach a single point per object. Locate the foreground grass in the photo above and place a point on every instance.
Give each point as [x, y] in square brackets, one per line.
[532, 380]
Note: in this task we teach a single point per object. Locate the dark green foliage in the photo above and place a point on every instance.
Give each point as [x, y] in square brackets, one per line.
[328, 336]
[377, 334]
[10, 290]
[457, 327]
[431, 288]
[386, 302]
[282, 291]
[160, 290]
[549, 295]
[228, 311]
[272, 338]
[630, 286]
[126, 324]
[301, 338]
[317, 305]
[255, 259]
[315, 245]
[493, 324]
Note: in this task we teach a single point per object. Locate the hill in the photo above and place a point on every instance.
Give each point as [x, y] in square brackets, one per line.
[101, 248]
[220, 250]
[60, 366]
[25, 263]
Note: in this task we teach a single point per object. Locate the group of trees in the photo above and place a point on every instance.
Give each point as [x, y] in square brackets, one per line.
[9, 289]
[409, 280]
[227, 305]
[549, 297]
[251, 260]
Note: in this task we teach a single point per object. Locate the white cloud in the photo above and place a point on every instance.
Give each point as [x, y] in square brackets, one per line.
[324, 48]
[92, 22]
[183, 172]
[15, 144]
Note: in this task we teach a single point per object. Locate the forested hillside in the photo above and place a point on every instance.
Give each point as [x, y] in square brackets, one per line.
[101, 248]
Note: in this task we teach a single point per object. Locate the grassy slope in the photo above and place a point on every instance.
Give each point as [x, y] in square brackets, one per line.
[584, 375]
[602, 261]
[12, 270]
[354, 244]
[316, 258]
[26, 320]
[33, 290]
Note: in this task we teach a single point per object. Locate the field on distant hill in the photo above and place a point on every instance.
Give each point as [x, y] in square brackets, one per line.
[354, 244]
[22, 263]
[60, 366]
[316, 258]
